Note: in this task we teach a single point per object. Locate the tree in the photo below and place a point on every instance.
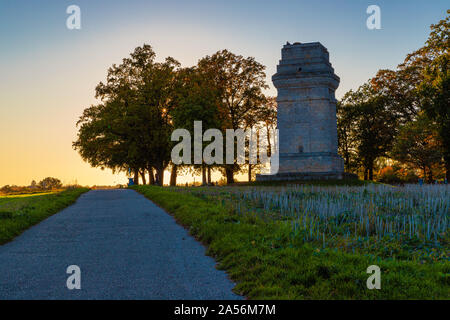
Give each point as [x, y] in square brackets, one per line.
[131, 128]
[263, 118]
[102, 141]
[240, 82]
[6, 189]
[50, 183]
[198, 99]
[369, 127]
[418, 145]
[399, 88]
[434, 91]
[157, 99]
[435, 96]
[346, 141]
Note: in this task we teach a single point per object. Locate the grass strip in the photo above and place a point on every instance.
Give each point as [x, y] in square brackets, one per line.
[20, 213]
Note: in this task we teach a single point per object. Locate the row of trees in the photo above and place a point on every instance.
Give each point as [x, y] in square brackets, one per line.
[401, 114]
[143, 101]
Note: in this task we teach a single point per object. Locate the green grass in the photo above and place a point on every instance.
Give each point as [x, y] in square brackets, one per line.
[18, 213]
[267, 262]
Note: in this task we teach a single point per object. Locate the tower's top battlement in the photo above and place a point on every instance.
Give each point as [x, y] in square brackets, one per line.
[304, 61]
[299, 50]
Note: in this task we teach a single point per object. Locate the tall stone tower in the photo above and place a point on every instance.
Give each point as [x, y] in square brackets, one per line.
[306, 83]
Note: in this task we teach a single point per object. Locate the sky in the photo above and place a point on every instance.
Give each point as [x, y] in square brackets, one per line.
[48, 73]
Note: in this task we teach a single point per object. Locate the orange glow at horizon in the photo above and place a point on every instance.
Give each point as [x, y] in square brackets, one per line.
[38, 114]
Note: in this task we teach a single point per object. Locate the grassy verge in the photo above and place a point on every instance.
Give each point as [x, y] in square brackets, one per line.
[262, 259]
[18, 213]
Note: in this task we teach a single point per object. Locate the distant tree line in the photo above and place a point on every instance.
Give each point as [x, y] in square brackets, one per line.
[48, 183]
[144, 101]
[402, 115]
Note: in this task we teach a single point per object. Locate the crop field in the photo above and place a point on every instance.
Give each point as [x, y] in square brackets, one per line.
[316, 241]
[19, 212]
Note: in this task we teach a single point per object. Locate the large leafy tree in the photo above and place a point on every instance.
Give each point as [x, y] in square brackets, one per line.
[434, 91]
[264, 120]
[399, 88]
[435, 96]
[131, 127]
[418, 145]
[346, 119]
[240, 82]
[50, 183]
[369, 127]
[102, 140]
[198, 99]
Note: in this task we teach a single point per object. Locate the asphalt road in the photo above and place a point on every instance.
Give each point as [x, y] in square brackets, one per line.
[125, 246]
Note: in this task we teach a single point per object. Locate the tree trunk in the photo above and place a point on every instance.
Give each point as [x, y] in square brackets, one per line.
[151, 176]
[430, 176]
[269, 144]
[173, 176]
[136, 177]
[249, 172]
[365, 174]
[203, 175]
[347, 162]
[209, 175]
[229, 175]
[371, 173]
[159, 180]
[144, 181]
[447, 168]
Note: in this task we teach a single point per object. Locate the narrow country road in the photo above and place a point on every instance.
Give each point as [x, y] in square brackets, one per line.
[126, 248]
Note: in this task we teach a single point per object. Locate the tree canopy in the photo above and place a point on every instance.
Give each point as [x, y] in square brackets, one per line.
[130, 129]
[142, 101]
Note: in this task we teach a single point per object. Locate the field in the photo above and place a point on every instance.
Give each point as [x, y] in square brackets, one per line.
[316, 241]
[19, 212]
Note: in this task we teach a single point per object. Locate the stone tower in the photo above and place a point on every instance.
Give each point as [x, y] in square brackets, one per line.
[306, 83]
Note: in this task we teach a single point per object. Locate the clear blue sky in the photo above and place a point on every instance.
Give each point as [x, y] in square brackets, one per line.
[48, 73]
[188, 30]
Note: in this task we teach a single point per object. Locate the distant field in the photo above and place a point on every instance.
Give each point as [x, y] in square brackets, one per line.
[19, 212]
[5, 197]
[316, 241]
[27, 192]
